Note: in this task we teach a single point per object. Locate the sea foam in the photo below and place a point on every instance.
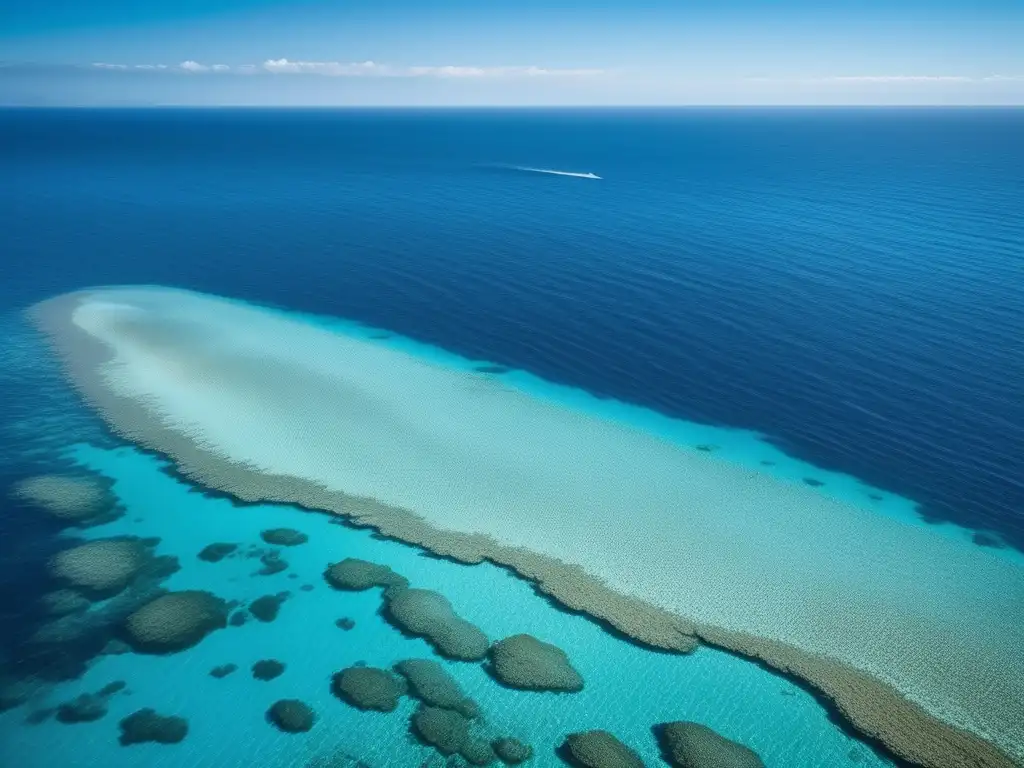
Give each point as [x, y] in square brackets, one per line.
[743, 558]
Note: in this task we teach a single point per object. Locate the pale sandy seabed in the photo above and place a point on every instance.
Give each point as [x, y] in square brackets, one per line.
[914, 633]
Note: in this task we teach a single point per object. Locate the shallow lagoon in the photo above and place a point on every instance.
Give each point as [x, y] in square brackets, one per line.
[628, 688]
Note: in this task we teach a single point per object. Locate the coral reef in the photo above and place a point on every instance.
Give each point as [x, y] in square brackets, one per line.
[267, 607]
[692, 745]
[428, 614]
[214, 553]
[83, 709]
[356, 575]
[511, 751]
[100, 569]
[89, 706]
[267, 669]
[175, 621]
[284, 537]
[524, 662]
[79, 499]
[223, 670]
[369, 688]
[431, 684]
[146, 725]
[345, 623]
[272, 563]
[291, 716]
[444, 730]
[879, 702]
[600, 749]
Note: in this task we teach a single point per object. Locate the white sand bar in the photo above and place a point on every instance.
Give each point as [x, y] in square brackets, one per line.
[940, 620]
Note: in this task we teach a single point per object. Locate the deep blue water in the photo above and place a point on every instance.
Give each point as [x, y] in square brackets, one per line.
[848, 282]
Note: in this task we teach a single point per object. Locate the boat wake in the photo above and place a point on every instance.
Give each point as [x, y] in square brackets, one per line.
[554, 172]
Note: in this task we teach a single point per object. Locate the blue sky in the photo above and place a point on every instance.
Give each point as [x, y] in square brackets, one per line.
[484, 52]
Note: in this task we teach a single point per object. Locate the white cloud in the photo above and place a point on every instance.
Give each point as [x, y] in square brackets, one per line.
[888, 79]
[358, 69]
[894, 79]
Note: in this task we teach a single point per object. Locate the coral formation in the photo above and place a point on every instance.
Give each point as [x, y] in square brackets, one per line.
[267, 669]
[511, 751]
[600, 749]
[368, 688]
[356, 575]
[284, 537]
[175, 621]
[146, 725]
[272, 563]
[267, 607]
[79, 499]
[89, 706]
[523, 661]
[444, 730]
[214, 553]
[223, 670]
[477, 752]
[100, 569]
[83, 709]
[291, 716]
[431, 684]
[345, 623]
[692, 745]
[428, 614]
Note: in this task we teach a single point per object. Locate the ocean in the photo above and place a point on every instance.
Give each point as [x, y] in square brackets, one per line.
[842, 286]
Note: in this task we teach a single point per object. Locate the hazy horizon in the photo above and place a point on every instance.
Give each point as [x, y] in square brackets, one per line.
[456, 53]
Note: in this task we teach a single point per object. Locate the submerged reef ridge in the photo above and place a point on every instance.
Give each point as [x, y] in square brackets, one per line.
[524, 662]
[431, 684]
[600, 749]
[146, 725]
[805, 584]
[369, 688]
[175, 621]
[428, 614]
[100, 569]
[74, 499]
[692, 745]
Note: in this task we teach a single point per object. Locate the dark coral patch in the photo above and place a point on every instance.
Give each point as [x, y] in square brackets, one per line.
[430, 683]
[511, 751]
[223, 670]
[291, 716]
[86, 708]
[175, 621]
[368, 688]
[267, 607]
[146, 725]
[284, 537]
[692, 745]
[526, 663]
[352, 574]
[599, 749]
[428, 614]
[813, 482]
[214, 553]
[267, 669]
[272, 563]
[345, 623]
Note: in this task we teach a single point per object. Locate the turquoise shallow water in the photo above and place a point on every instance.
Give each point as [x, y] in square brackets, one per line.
[628, 688]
